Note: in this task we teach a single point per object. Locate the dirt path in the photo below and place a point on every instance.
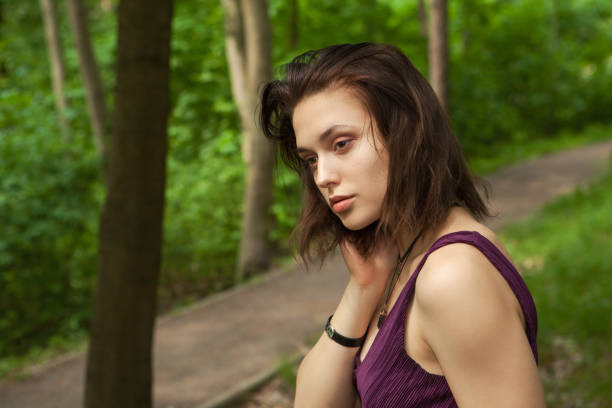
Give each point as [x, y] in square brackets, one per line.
[218, 345]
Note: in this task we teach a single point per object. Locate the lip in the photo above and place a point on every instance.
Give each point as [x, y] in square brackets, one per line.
[341, 203]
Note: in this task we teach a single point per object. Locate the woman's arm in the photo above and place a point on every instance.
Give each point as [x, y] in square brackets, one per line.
[325, 376]
[472, 326]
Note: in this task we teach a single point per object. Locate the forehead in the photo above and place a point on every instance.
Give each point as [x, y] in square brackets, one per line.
[316, 113]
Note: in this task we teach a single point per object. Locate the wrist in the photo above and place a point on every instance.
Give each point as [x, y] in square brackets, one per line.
[364, 296]
[339, 338]
[354, 313]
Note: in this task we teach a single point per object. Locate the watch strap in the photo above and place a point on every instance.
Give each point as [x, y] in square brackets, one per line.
[340, 339]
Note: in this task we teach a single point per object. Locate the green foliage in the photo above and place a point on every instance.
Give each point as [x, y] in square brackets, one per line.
[327, 22]
[48, 244]
[205, 169]
[49, 197]
[286, 206]
[527, 69]
[202, 223]
[287, 371]
[564, 250]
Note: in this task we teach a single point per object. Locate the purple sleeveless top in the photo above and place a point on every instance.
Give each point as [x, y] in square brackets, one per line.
[389, 378]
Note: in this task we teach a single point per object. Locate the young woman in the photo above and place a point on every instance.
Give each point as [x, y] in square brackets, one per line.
[434, 314]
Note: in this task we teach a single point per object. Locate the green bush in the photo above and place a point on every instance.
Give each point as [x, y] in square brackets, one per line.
[527, 70]
[48, 245]
[50, 195]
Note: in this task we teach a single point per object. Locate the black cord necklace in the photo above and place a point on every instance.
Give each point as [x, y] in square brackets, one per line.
[401, 260]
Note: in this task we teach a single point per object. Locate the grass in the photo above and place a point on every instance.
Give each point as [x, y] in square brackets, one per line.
[492, 157]
[19, 367]
[565, 254]
[287, 367]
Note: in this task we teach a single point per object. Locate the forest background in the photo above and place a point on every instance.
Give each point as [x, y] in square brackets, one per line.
[525, 77]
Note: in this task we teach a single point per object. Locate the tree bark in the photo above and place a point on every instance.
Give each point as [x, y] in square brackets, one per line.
[248, 49]
[422, 18]
[235, 54]
[119, 360]
[56, 61]
[438, 51]
[94, 91]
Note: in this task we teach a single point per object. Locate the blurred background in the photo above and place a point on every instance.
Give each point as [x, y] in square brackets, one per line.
[524, 78]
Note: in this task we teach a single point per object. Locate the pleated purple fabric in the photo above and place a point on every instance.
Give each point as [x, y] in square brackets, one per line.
[389, 378]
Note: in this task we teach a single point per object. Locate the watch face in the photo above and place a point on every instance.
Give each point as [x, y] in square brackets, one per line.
[330, 331]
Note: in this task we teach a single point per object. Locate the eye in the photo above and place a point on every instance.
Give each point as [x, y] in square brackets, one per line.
[341, 144]
[310, 161]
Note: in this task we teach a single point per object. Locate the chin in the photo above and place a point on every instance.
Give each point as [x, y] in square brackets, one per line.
[357, 225]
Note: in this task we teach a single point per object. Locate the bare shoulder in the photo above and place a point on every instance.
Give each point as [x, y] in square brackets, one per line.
[472, 322]
[460, 274]
[451, 271]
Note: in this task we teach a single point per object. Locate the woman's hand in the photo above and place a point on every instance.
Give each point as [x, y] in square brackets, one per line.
[371, 274]
[325, 374]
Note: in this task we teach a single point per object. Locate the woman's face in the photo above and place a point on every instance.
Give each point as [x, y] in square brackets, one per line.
[346, 155]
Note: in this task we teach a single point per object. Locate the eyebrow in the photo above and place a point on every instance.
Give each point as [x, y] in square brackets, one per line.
[325, 135]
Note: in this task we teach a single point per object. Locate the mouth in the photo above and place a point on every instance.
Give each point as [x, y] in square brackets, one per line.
[341, 203]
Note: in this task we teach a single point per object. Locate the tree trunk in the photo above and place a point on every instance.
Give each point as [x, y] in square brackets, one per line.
[234, 51]
[119, 360]
[438, 51]
[248, 49]
[422, 18]
[57, 64]
[94, 91]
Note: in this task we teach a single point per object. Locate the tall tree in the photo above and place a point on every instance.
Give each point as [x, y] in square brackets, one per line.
[248, 49]
[438, 51]
[56, 61]
[94, 91]
[422, 18]
[119, 360]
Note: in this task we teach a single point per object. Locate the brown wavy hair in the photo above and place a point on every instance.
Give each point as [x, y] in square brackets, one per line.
[428, 172]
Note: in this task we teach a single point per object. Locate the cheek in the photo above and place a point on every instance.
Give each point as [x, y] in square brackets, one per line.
[323, 196]
[382, 193]
[380, 176]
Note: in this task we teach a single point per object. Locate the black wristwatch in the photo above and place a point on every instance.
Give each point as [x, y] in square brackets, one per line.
[340, 339]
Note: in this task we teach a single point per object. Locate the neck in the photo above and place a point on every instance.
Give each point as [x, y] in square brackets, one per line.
[428, 236]
[408, 239]
[424, 241]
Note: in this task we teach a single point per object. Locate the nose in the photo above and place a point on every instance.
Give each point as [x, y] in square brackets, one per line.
[326, 173]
